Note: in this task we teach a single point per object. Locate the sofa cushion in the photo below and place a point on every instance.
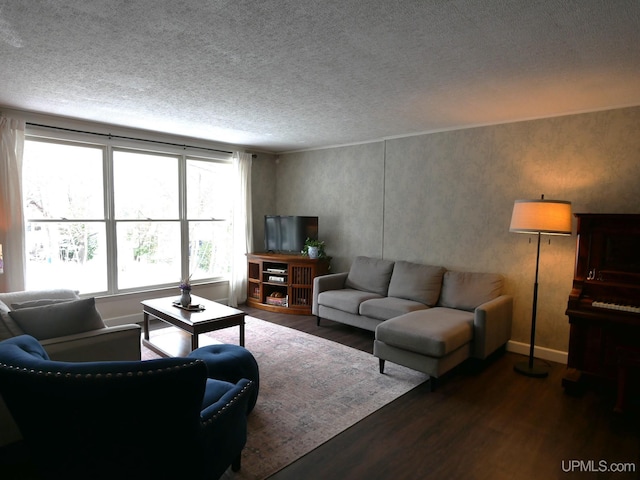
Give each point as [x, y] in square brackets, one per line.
[467, 290]
[346, 299]
[435, 332]
[8, 328]
[59, 319]
[413, 281]
[370, 275]
[389, 307]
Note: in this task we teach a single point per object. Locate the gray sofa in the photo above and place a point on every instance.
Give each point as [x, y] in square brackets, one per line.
[68, 327]
[424, 317]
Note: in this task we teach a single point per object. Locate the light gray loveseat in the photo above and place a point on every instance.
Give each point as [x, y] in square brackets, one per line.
[424, 317]
[68, 327]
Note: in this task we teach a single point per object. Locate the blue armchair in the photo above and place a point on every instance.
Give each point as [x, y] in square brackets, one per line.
[161, 419]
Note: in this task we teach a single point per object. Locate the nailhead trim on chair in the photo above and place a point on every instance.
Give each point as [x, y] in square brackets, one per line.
[98, 376]
[228, 404]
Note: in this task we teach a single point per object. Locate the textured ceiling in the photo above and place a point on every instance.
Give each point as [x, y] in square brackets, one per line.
[296, 74]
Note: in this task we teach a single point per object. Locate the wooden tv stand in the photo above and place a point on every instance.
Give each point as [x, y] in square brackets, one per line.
[283, 282]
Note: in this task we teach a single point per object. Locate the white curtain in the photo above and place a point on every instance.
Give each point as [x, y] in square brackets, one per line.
[242, 228]
[11, 215]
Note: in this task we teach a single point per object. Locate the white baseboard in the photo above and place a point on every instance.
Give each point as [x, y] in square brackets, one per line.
[538, 352]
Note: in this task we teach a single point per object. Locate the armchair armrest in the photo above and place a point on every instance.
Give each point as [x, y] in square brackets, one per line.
[333, 281]
[104, 344]
[235, 398]
[230, 363]
[224, 424]
[492, 325]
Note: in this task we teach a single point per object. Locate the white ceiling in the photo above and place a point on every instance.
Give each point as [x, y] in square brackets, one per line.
[298, 74]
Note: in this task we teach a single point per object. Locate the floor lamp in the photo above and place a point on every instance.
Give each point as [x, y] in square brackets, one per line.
[539, 217]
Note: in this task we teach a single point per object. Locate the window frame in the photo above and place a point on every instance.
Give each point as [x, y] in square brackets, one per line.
[109, 146]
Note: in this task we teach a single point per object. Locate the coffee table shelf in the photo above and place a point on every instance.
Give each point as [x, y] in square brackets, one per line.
[170, 341]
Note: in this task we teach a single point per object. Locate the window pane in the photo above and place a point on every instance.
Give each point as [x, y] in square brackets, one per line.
[209, 249]
[148, 253]
[66, 255]
[145, 186]
[209, 192]
[62, 181]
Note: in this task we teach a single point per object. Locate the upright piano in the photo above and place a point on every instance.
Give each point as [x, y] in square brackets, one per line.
[604, 304]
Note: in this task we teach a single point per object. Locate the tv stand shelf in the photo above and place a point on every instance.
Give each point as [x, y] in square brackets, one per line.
[283, 283]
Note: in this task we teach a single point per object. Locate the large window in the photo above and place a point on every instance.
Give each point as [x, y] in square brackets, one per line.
[65, 239]
[101, 218]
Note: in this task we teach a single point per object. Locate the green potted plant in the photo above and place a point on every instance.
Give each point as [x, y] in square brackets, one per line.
[313, 249]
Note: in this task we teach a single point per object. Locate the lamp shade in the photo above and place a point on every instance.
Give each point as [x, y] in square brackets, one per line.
[550, 217]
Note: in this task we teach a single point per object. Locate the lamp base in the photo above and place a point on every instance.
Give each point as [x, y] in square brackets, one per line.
[538, 371]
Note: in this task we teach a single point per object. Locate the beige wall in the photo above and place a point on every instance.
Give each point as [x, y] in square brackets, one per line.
[263, 195]
[343, 187]
[446, 199]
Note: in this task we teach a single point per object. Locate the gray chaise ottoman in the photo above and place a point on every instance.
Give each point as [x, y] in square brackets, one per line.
[432, 341]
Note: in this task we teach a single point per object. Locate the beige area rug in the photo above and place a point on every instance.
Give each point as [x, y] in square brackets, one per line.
[311, 389]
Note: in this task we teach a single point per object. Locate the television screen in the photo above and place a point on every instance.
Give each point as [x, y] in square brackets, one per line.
[287, 234]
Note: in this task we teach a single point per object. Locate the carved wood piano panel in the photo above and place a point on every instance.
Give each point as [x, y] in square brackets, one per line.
[604, 304]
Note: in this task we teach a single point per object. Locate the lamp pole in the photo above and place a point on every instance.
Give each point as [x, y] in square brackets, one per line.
[528, 368]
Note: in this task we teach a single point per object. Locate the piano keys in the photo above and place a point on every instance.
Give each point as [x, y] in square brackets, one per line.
[616, 306]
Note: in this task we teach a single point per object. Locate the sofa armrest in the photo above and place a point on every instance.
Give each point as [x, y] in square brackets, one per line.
[323, 283]
[492, 326]
[117, 343]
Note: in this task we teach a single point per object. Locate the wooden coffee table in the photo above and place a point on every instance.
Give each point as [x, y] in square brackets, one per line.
[183, 338]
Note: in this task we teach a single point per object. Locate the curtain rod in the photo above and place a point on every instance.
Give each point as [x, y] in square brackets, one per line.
[127, 138]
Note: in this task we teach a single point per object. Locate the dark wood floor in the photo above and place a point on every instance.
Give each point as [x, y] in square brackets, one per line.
[489, 424]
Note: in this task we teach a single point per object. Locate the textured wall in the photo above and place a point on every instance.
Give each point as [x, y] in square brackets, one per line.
[342, 186]
[263, 195]
[446, 199]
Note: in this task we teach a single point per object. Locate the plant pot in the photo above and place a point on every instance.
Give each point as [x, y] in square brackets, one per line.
[312, 252]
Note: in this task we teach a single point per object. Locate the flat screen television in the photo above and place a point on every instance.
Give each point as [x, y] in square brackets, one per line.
[287, 233]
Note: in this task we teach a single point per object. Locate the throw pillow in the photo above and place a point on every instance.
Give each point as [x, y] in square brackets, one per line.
[59, 319]
[413, 281]
[467, 290]
[370, 275]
